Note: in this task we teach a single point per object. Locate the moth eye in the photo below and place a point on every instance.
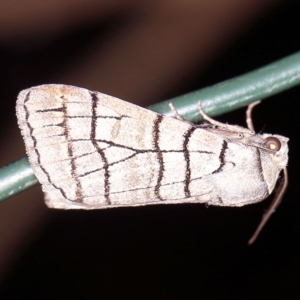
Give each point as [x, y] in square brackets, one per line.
[273, 143]
[240, 135]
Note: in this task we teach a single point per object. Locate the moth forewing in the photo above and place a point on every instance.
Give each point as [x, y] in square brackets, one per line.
[90, 150]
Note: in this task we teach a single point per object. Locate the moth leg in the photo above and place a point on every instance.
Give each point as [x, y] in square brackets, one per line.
[207, 118]
[249, 114]
[233, 128]
[175, 112]
[275, 203]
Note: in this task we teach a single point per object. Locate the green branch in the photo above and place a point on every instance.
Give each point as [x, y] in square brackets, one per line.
[217, 99]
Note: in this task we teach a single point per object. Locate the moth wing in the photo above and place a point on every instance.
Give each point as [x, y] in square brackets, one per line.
[91, 150]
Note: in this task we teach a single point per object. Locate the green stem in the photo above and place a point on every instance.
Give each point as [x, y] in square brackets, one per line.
[15, 178]
[217, 99]
[236, 92]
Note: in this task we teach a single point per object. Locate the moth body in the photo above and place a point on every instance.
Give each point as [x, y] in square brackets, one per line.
[91, 151]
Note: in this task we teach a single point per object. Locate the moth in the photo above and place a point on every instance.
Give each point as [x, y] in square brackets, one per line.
[92, 151]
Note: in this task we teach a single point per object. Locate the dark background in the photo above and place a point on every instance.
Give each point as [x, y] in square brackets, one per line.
[156, 252]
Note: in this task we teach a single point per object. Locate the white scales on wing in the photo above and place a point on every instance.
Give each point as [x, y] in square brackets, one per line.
[90, 150]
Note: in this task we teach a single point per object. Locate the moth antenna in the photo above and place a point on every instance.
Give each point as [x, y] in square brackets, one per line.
[275, 203]
[249, 114]
[175, 112]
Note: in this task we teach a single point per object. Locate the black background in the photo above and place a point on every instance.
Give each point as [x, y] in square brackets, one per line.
[170, 252]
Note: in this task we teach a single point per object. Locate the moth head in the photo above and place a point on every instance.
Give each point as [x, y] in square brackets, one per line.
[278, 146]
